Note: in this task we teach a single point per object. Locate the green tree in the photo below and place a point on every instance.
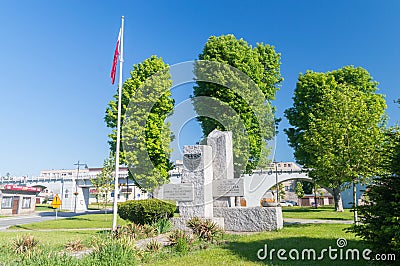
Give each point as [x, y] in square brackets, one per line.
[380, 213]
[299, 191]
[337, 120]
[262, 65]
[103, 183]
[281, 191]
[145, 97]
[317, 194]
[307, 187]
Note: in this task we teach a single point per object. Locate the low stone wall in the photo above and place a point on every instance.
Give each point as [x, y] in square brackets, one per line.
[251, 219]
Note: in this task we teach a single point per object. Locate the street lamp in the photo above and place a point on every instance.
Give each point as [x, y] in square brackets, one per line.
[76, 183]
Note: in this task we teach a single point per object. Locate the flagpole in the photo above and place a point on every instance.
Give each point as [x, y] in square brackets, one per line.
[121, 60]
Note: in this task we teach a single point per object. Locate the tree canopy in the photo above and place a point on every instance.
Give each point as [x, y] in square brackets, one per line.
[262, 65]
[379, 215]
[337, 120]
[146, 102]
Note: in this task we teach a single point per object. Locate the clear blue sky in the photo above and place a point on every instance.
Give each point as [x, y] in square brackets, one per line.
[55, 60]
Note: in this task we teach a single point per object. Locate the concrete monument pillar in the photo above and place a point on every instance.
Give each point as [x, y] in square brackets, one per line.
[198, 170]
[222, 148]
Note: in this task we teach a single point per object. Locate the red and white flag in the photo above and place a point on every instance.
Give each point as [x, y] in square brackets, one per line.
[115, 61]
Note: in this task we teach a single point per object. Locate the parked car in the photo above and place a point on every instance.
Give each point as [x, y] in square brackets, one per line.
[313, 204]
[294, 203]
[286, 204]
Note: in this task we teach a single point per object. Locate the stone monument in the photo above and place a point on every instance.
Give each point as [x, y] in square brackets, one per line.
[196, 180]
[198, 170]
[221, 143]
[208, 188]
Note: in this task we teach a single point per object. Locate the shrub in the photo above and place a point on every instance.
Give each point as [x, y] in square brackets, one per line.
[153, 245]
[380, 216]
[25, 245]
[133, 231]
[110, 251]
[47, 258]
[205, 229]
[179, 234]
[147, 211]
[74, 245]
[162, 226]
[182, 246]
[148, 230]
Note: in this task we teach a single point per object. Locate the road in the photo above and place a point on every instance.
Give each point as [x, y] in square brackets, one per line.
[289, 221]
[39, 217]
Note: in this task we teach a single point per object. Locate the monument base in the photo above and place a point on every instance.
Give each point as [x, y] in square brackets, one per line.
[250, 219]
[180, 223]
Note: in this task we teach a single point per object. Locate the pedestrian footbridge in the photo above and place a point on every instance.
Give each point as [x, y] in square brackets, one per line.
[256, 184]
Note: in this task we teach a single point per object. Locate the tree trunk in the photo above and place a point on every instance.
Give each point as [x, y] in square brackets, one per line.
[315, 196]
[355, 202]
[338, 199]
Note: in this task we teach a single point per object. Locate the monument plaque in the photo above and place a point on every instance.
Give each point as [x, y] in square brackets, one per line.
[179, 192]
[228, 187]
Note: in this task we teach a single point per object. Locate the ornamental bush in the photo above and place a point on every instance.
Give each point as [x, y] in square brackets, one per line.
[380, 216]
[147, 211]
[205, 229]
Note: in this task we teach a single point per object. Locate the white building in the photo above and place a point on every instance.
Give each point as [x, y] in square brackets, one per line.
[75, 188]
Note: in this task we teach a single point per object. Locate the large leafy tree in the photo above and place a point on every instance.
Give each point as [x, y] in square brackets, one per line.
[337, 120]
[150, 139]
[262, 65]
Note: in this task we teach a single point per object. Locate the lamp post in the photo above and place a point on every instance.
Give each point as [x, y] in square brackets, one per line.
[76, 183]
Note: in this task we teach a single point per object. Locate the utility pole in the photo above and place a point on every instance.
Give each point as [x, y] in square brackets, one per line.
[76, 183]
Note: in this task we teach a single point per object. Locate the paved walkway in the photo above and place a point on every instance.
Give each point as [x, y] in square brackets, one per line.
[289, 221]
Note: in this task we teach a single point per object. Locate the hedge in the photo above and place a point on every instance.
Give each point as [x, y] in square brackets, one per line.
[146, 211]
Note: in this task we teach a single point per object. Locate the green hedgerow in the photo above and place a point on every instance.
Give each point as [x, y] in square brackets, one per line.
[147, 211]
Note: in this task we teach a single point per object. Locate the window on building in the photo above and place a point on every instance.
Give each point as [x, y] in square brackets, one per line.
[26, 203]
[66, 196]
[7, 202]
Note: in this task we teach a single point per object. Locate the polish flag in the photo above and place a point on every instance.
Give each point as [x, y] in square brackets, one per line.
[115, 61]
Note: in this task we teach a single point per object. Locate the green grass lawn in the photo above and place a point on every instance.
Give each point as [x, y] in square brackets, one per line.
[100, 206]
[236, 249]
[78, 222]
[43, 208]
[242, 249]
[55, 239]
[323, 213]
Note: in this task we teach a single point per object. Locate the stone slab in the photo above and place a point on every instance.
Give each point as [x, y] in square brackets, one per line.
[228, 187]
[255, 219]
[178, 192]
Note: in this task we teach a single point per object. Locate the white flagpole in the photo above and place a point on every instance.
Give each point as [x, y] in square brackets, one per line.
[121, 60]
